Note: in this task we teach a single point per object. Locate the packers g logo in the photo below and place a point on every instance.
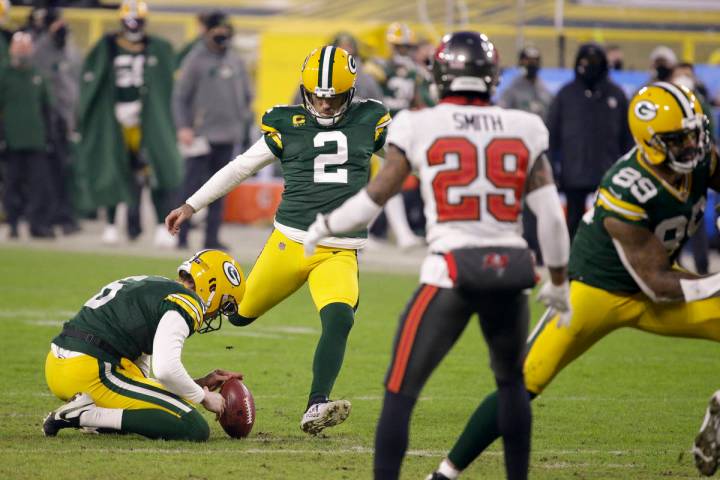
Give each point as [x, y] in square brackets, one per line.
[231, 273]
[352, 66]
[645, 110]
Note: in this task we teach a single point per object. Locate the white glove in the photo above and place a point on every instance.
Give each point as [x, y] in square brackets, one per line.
[316, 232]
[557, 297]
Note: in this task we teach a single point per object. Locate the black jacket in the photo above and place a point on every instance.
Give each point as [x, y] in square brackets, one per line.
[588, 132]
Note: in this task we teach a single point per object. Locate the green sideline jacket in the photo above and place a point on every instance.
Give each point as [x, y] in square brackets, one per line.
[102, 170]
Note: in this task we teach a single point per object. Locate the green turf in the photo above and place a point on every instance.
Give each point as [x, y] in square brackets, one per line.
[627, 410]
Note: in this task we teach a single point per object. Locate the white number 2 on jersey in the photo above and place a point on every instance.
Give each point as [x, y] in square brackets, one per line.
[325, 159]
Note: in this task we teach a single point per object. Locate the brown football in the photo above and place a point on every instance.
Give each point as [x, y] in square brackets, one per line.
[239, 416]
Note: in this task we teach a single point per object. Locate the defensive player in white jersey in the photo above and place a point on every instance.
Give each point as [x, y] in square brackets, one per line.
[477, 164]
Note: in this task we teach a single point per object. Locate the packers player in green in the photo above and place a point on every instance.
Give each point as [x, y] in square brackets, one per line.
[622, 261]
[324, 148]
[100, 362]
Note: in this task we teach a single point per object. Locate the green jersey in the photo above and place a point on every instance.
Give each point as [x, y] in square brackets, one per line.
[323, 166]
[631, 192]
[125, 314]
[129, 74]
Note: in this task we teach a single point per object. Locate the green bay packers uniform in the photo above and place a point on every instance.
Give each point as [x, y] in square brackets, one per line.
[605, 293]
[101, 353]
[322, 167]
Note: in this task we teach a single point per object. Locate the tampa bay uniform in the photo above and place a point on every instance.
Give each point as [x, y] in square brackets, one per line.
[115, 331]
[604, 291]
[322, 167]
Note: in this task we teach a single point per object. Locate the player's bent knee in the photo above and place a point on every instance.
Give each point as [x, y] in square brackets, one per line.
[196, 427]
[340, 316]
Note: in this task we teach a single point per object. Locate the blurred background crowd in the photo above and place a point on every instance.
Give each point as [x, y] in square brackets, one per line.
[106, 105]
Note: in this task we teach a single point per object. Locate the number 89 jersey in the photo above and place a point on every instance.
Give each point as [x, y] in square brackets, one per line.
[472, 162]
[631, 192]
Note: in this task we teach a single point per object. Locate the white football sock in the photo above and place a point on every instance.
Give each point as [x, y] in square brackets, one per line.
[448, 470]
[98, 417]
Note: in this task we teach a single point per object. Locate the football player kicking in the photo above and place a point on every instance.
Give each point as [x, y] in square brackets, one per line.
[477, 164]
[622, 259]
[324, 147]
[101, 359]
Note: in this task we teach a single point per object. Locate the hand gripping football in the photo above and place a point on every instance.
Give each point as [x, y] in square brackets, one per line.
[239, 416]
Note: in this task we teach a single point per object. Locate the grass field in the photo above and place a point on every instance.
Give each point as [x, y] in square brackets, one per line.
[627, 410]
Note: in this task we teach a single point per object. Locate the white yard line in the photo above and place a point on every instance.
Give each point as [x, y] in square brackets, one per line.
[356, 450]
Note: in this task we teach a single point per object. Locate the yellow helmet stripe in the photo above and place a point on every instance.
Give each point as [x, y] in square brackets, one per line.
[680, 98]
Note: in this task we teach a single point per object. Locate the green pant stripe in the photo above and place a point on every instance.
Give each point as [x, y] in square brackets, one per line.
[132, 381]
[139, 391]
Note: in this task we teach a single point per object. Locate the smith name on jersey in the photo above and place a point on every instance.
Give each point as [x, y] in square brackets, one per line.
[631, 192]
[126, 313]
[323, 166]
[473, 162]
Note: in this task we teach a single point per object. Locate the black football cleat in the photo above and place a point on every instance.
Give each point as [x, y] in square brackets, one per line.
[436, 476]
[67, 416]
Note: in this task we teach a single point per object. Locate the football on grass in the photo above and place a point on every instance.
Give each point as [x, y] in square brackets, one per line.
[239, 416]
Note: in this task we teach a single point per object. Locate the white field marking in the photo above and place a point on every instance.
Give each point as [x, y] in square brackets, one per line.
[36, 313]
[242, 333]
[290, 330]
[358, 450]
[44, 323]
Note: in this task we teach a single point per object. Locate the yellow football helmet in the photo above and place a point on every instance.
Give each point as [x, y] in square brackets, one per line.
[328, 73]
[133, 9]
[220, 283]
[668, 125]
[4, 8]
[400, 34]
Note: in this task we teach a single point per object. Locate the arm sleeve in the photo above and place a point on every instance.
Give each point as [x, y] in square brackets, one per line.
[400, 132]
[182, 95]
[552, 230]
[167, 349]
[232, 174]
[143, 363]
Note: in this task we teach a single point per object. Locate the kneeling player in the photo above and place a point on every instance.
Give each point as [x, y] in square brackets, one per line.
[100, 360]
[622, 259]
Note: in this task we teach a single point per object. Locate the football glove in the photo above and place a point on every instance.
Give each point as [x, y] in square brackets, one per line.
[558, 298]
[316, 232]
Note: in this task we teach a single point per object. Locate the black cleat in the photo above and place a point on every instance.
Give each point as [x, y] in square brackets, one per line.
[436, 476]
[67, 416]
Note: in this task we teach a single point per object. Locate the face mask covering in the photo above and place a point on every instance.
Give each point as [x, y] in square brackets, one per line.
[531, 71]
[685, 81]
[133, 29]
[60, 37]
[221, 40]
[663, 73]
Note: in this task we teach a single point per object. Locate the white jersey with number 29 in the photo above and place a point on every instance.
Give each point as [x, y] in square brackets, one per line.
[472, 162]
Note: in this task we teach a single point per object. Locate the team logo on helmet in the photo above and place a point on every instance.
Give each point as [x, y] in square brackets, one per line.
[352, 66]
[231, 273]
[645, 110]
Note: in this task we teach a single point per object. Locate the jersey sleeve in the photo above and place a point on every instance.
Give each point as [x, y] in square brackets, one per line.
[189, 307]
[271, 126]
[381, 130]
[538, 140]
[618, 202]
[400, 133]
